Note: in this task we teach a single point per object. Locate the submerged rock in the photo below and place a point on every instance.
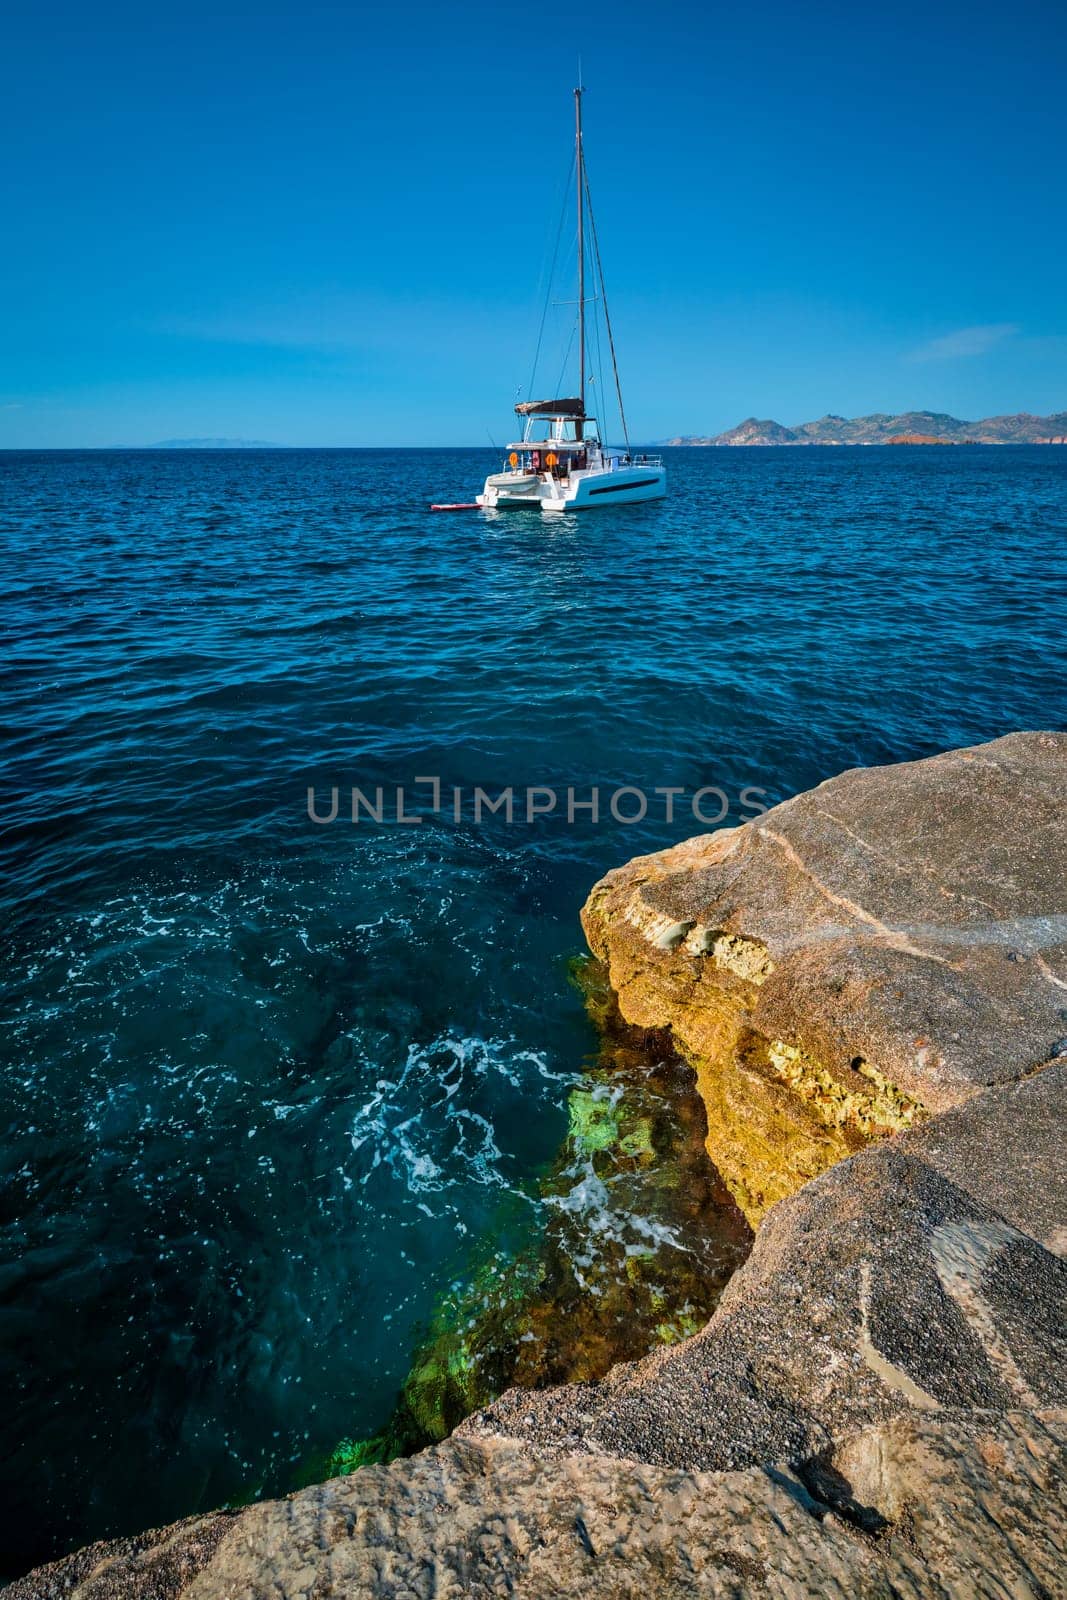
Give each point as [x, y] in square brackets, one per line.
[640, 1239]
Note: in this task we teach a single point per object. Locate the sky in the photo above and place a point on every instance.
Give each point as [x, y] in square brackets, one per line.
[329, 225]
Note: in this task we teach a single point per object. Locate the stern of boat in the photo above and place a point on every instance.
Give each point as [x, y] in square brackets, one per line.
[630, 484]
[510, 491]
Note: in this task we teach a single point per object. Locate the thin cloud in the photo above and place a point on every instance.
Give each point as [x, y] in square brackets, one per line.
[325, 324]
[295, 332]
[965, 342]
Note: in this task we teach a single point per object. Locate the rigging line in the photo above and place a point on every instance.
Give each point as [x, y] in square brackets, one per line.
[607, 314]
[596, 303]
[598, 379]
[557, 305]
[551, 278]
[567, 356]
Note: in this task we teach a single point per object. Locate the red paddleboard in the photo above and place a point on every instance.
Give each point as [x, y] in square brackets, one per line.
[469, 505]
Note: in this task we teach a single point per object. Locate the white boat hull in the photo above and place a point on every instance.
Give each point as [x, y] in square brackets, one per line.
[581, 491]
[586, 491]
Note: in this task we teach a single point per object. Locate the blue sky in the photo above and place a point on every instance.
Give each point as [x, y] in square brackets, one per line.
[327, 224]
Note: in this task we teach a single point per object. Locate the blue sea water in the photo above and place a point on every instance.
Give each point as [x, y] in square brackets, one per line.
[265, 1081]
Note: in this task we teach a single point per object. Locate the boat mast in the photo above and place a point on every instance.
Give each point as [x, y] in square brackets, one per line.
[579, 173]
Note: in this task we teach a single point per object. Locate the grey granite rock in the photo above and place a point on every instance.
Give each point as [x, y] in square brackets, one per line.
[157, 1565]
[1006, 1147]
[947, 1505]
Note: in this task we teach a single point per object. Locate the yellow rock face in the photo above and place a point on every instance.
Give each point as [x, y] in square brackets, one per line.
[776, 1115]
[766, 1139]
[873, 1106]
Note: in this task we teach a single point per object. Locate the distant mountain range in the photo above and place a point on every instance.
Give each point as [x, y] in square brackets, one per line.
[909, 427]
[214, 444]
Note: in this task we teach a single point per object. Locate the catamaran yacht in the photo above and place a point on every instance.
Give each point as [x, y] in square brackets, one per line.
[560, 463]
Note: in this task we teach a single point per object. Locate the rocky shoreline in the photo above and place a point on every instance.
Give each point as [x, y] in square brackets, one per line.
[906, 427]
[870, 982]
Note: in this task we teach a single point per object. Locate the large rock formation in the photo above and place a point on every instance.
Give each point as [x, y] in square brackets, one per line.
[870, 984]
[867, 954]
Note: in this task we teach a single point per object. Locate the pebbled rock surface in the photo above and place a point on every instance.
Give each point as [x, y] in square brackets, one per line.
[916, 1507]
[878, 1407]
[1006, 1147]
[157, 1565]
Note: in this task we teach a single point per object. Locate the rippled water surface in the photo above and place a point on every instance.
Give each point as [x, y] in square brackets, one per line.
[269, 1086]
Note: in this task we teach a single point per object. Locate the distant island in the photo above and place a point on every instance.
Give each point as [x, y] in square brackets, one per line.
[214, 444]
[910, 427]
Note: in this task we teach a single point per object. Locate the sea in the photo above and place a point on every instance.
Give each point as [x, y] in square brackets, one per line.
[276, 1078]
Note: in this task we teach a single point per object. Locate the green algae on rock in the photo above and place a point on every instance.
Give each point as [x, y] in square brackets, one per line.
[640, 1237]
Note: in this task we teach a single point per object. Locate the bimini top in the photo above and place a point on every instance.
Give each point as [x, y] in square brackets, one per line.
[550, 408]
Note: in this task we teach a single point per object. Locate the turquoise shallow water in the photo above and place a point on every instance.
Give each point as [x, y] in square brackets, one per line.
[265, 1082]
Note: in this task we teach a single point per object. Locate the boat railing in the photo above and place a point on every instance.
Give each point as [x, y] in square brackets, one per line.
[636, 458]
